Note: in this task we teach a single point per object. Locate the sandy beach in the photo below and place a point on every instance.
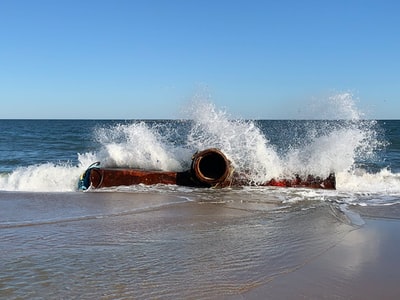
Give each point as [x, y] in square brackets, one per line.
[364, 265]
[146, 246]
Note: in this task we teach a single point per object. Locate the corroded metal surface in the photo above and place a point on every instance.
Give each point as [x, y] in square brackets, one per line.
[310, 182]
[209, 168]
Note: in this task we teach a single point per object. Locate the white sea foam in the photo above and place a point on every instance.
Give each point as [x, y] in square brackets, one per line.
[329, 147]
[242, 142]
[138, 145]
[42, 178]
[360, 181]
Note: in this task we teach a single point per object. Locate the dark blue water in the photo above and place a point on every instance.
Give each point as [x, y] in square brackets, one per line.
[28, 142]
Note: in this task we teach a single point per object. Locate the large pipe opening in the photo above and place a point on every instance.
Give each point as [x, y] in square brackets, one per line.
[211, 167]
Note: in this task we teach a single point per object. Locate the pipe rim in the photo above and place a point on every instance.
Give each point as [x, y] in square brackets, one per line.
[204, 172]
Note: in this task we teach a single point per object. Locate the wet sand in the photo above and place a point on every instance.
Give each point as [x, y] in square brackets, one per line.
[364, 265]
[156, 246]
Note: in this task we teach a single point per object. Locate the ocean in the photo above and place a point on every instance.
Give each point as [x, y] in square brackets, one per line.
[167, 241]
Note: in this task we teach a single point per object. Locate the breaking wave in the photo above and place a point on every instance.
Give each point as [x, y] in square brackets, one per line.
[343, 143]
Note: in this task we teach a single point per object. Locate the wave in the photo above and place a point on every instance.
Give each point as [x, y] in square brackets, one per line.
[342, 146]
[47, 177]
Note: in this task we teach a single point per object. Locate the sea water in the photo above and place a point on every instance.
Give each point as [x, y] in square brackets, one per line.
[154, 241]
[50, 155]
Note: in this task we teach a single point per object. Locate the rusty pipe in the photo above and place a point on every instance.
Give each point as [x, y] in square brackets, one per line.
[210, 167]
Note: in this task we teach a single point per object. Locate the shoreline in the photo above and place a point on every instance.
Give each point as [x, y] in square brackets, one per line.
[141, 246]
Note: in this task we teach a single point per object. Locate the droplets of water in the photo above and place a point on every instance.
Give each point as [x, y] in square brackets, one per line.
[333, 145]
[136, 145]
[241, 140]
[341, 143]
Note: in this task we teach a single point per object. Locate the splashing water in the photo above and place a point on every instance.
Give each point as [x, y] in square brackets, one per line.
[337, 144]
[335, 147]
[323, 148]
[47, 177]
[242, 142]
[138, 145]
[340, 144]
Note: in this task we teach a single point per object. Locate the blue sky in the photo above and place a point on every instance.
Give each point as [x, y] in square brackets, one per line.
[148, 59]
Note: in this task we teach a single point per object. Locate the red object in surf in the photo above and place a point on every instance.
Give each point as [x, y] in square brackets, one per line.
[209, 168]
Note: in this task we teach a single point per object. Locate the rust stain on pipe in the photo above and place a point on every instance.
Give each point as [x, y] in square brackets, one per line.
[209, 168]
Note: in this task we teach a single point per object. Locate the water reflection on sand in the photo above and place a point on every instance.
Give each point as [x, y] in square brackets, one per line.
[143, 245]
